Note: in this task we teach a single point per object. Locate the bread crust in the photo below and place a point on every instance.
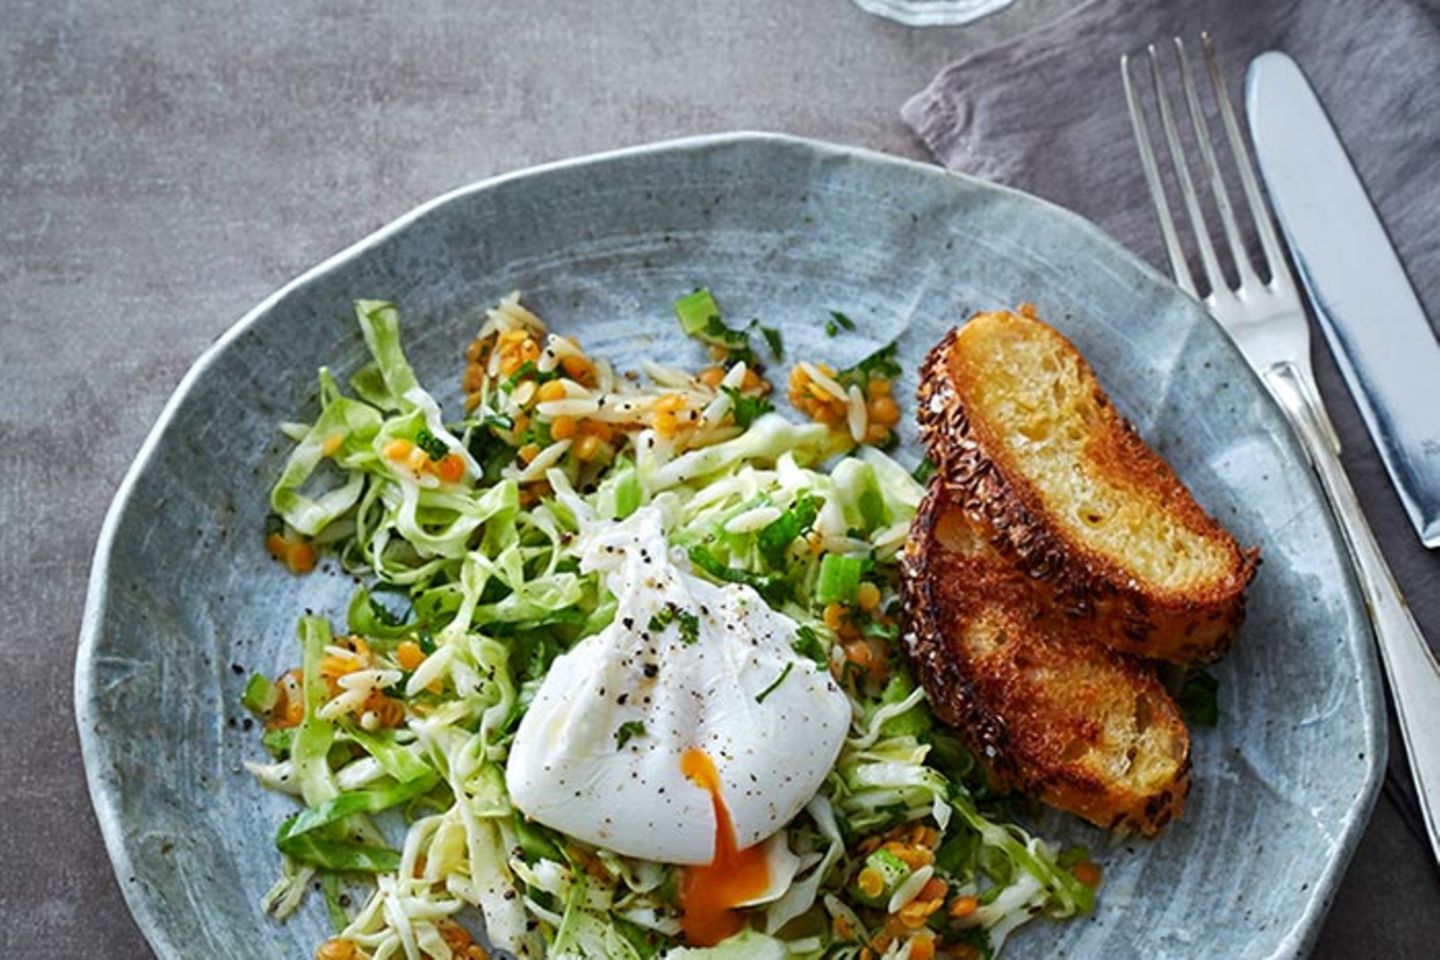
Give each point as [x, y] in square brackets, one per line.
[1033, 707]
[1194, 625]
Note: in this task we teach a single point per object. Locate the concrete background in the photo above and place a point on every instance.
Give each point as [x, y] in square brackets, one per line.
[164, 166]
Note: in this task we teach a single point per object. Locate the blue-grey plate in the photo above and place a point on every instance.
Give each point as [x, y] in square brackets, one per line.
[184, 602]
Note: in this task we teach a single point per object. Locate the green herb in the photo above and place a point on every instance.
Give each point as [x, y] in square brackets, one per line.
[774, 588]
[837, 322]
[626, 731]
[689, 626]
[747, 409]
[773, 340]
[807, 643]
[527, 369]
[663, 618]
[775, 538]
[689, 622]
[722, 336]
[521, 372]
[434, 447]
[924, 471]
[1199, 698]
[881, 363]
[760, 697]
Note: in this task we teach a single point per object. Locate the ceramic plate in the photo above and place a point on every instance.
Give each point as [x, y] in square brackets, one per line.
[184, 602]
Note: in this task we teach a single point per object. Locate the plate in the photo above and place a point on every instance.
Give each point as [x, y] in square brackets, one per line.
[184, 602]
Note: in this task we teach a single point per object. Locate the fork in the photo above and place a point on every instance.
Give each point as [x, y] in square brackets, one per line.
[1266, 320]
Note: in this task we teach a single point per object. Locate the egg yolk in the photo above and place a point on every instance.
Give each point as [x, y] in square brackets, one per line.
[709, 894]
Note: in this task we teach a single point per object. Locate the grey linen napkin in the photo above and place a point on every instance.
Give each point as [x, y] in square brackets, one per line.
[1046, 113]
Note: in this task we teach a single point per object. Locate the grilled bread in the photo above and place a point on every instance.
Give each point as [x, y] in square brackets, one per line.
[1032, 449]
[1046, 709]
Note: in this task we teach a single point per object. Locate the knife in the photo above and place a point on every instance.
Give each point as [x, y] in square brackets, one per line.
[1376, 327]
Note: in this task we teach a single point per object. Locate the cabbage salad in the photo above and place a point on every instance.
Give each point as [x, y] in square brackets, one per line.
[580, 533]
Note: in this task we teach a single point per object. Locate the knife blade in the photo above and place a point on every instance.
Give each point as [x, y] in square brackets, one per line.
[1376, 327]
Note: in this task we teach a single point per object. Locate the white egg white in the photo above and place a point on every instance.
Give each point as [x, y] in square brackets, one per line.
[662, 689]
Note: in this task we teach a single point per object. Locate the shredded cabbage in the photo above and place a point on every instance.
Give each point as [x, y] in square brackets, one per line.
[394, 736]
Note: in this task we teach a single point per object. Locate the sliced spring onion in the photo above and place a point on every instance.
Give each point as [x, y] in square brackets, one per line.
[259, 695]
[839, 578]
[695, 311]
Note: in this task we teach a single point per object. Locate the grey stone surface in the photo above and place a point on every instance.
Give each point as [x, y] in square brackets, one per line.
[162, 168]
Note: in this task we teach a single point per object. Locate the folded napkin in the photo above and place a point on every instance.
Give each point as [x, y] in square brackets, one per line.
[1046, 113]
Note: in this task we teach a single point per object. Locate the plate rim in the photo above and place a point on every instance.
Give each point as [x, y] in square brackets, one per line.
[1303, 929]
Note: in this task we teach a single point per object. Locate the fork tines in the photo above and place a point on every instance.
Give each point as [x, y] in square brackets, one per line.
[1218, 285]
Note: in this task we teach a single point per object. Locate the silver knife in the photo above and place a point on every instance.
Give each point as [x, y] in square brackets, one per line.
[1377, 329]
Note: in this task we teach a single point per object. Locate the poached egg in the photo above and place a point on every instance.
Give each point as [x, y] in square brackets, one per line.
[688, 731]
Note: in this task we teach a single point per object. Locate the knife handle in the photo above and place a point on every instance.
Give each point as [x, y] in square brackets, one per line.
[1409, 665]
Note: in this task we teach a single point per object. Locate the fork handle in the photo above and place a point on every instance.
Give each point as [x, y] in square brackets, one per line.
[1409, 665]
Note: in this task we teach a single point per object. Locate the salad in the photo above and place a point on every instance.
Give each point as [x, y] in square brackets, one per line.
[623, 678]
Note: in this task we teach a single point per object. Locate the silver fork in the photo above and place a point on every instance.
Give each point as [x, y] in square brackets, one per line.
[1267, 322]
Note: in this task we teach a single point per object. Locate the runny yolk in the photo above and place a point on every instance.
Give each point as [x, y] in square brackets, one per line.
[709, 894]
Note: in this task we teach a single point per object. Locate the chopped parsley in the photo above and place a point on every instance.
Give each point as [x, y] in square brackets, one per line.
[737, 342]
[627, 731]
[773, 340]
[434, 447]
[775, 538]
[527, 369]
[760, 697]
[807, 643]
[662, 619]
[746, 409]
[699, 317]
[773, 587]
[689, 622]
[881, 363]
[689, 626]
[837, 322]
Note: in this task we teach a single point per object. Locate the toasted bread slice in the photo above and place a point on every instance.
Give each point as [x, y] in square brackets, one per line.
[1031, 447]
[1046, 709]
